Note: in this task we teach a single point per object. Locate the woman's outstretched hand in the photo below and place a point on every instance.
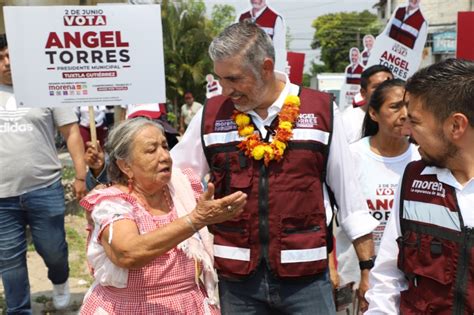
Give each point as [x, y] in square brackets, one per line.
[210, 211]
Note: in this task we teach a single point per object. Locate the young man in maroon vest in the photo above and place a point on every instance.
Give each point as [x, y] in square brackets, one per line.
[273, 258]
[426, 259]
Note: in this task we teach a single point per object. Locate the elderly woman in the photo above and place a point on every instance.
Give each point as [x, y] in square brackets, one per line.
[150, 242]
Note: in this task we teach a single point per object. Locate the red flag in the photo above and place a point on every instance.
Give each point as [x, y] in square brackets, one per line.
[296, 63]
[465, 40]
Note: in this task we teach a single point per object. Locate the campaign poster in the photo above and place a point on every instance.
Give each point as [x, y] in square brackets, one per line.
[353, 72]
[213, 87]
[86, 55]
[465, 40]
[272, 23]
[400, 45]
[368, 40]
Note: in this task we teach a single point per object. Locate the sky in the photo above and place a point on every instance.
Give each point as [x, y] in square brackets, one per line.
[298, 15]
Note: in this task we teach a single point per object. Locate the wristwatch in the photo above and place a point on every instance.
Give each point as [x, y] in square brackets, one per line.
[367, 264]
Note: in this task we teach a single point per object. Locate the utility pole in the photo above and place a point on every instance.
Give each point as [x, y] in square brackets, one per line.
[358, 38]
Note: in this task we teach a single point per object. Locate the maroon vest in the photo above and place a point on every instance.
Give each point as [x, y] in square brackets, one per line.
[406, 31]
[212, 87]
[284, 221]
[365, 57]
[436, 249]
[354, 76]
[265, 21]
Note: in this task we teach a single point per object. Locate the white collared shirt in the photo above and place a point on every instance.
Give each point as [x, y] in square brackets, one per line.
[341, 178]
[386, 280]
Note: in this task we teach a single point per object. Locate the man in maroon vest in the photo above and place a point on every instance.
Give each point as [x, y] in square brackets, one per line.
[368, 41]
[354, 69]
[213, 88]
[273, 258]
[426, 258]
[407, 24]
[273, 24]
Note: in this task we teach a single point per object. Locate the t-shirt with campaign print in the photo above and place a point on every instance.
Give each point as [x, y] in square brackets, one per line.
[379, 178]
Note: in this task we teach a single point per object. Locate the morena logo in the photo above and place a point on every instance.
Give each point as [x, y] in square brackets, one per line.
[428, 187]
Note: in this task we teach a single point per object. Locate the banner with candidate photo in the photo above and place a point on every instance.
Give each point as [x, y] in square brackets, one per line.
[351, 86]
[400, 45]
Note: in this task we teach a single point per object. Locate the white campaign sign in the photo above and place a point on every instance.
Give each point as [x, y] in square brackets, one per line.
[347, 94]
[400, 45]
[86, 55]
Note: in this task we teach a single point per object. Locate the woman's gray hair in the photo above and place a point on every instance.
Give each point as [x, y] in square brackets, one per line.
[244, 39]
[119, 145]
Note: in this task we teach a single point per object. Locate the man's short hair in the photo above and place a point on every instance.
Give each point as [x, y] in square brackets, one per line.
[354, 49]
[445, 88]
[244, 39]
[370, 71]
[188, 95]
[3, 41]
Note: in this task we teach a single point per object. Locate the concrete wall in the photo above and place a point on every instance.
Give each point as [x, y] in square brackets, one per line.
[444, 12]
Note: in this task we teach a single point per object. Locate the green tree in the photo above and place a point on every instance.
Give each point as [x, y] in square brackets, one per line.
[186, 38]
[336, 33]
[222, 16]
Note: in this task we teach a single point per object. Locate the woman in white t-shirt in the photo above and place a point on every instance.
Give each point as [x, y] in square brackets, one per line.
[380, 158]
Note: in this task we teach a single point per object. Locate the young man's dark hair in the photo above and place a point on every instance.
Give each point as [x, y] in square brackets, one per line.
[370, 71]
[3, 41]
[445, 88]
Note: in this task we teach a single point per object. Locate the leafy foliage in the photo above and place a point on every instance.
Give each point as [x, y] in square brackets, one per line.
[336, 33]
[222, 16]
[186, 38]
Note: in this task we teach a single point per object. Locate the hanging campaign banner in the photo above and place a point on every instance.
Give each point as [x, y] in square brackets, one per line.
[86, 55]
[400, 45]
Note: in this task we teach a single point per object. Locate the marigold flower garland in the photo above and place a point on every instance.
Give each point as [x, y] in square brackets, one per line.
[254, 147]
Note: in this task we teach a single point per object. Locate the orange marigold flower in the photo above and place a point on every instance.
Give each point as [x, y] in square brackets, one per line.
[254, 147]
[269, 151]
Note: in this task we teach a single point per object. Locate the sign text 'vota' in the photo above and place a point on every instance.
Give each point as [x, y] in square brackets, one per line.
[88, 46]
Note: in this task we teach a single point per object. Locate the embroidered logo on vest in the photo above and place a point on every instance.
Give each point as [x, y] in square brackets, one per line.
[428, 188]
[225, 125]
[306, 121]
